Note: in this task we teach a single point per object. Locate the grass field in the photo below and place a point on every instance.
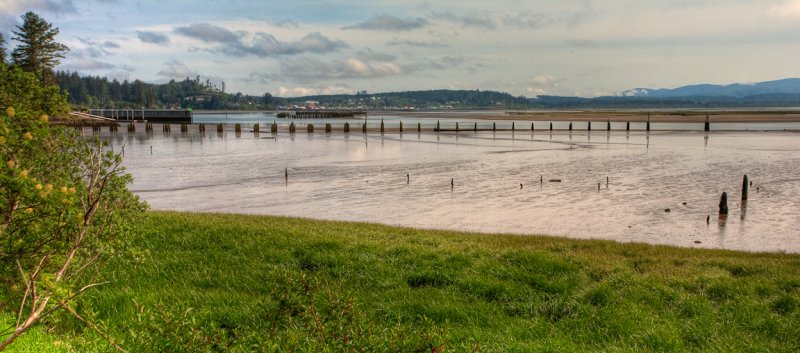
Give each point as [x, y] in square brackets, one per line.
[205, 282]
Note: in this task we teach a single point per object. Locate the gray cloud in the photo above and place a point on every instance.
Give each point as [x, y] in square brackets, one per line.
[95, 49]
[176, 69]
[418, 44]
[390, 23]
[469, 20]
[527, 19]
[265, 44]
[261, 78]
[85, 64]
[369, 54]
[153, 37]
[209, 33]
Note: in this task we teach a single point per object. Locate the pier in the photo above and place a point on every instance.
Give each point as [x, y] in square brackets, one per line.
[321, 114]
[153, 116]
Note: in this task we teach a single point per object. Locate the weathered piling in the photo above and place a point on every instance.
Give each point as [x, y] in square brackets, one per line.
[707, 126]
[237, 128]
[494, 126]
[401, 126]
[723, 205]
[551, 126]
[286, 175]
[475, 127]
[608, 125]
[165, 128]
[347, 127]
[419, 127]
[532, 129]
[256, 128]
[202, 128]
[328, 127]
[745, 189]
[184, 128]
[589, 126]
[310, 128]
[452, 184]
[382, 128]
[131, 127]
[364, 128]
[437, 125]
[220, 128]
[292, 128]
[648, 121]
[408, 179]
[570, 126]
[456, 126]
[512, 126]
[627, 126]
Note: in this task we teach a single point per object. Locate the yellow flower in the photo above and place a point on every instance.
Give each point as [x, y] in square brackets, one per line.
[44, 118]
[10, 111]
[48, 187]
[11, 164]
[71, 190]
[2, 140]
[29, 210]
[38, 186]
[64, 190]
[27, 136]
[24, 173]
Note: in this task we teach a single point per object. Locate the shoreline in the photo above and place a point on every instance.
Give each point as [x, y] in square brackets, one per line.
[619, 116]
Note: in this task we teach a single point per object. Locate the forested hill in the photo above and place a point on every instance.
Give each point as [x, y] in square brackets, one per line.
[433, 99]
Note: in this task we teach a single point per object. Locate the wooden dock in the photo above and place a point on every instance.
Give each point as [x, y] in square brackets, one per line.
[153, 116]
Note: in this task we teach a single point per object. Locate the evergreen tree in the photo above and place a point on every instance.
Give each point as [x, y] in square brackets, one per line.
[2, 50]
[38, 50]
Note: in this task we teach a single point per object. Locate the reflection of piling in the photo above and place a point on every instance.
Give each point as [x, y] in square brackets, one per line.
[328, 127]
[707, 124]
[346, 127]
[723, 205]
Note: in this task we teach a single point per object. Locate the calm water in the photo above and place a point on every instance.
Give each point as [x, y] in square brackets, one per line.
[357, 178]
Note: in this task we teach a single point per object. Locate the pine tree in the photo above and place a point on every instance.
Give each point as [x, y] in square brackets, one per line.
[2, 50]
[38, 51]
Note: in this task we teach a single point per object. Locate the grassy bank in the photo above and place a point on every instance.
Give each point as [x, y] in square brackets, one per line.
[198, 282]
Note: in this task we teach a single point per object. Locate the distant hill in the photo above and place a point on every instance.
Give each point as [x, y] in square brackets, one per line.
[431, 99]
[737, 90]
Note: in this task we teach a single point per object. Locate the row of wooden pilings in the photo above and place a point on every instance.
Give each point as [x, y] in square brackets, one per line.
[346, 127]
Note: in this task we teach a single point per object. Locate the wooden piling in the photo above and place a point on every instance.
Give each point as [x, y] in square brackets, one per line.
[165, 128]
[347, 127]
[184, 128]
[512, 126]
[723, 205]
[364, 128]
[648, 121]
[532, 129]
[310, 128]
[382, 129]
[608, 125]
[589, 126]
[570, 126]
[220, 128]
[475, 127]
[437, 125]
[131, 127]
[256, 128]
[551, 126]
[456, 126]
[274, 128]
[292, 128]
[627, 126]
[745, 189]
[419, 127]
[494, 126]
[401, 127]
[237, 128]
[328, 127]
[202, 128]
[707, 126]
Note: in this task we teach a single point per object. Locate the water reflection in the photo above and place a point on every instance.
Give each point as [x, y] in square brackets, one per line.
[334, 176]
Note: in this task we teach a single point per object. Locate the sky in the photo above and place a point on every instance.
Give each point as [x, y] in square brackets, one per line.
[528, 48]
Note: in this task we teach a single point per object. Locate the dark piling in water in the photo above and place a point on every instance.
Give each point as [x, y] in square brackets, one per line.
[570, 126]
[551, 126]
[589, 126]
[475, 127]
[256, 129]
[608, 125]
[494, 127]
[364, 128]
[648, 121]
[707, 126]
[452, 184]
[627, 126]
[745, 189]
[512, 126]
[401, 127]
[419, 127]
[532, 129]
[237, 128]
[723, 205]
[274, 128]
[292, 128]
[382, 129]
[437, 125]
[408, 179]
[202, 128]
[310, 128]
[184, 128]
[286, 175]
[346, 127]
[328, 128]
[456, 126]
[220, 128]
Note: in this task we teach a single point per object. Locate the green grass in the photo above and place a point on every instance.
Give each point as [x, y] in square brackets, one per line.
[207, 282]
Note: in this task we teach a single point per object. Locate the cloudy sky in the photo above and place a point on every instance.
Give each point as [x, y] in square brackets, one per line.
[300, 47]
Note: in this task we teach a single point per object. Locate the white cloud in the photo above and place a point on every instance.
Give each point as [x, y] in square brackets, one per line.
[309, 91]
[787, 9]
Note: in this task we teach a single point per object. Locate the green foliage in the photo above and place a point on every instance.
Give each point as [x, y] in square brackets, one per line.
[24, 91]
[3, 50]
[207, 282]
[64, 209]
[38, 50]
